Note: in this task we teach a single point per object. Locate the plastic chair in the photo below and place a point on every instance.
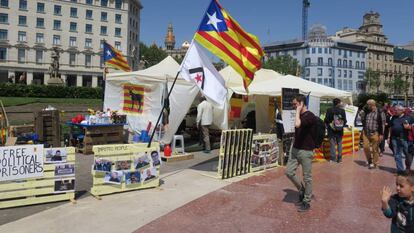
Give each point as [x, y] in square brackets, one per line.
[178, 144]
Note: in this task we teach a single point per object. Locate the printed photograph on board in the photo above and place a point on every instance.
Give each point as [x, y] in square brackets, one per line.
[156, 160]
[265, 151]
[64, 185]
[114, 177]
[123, 165]
[132, 178]
[102, 165]
[141, 162]
[64, 169]
[149, 174]
[56, 155]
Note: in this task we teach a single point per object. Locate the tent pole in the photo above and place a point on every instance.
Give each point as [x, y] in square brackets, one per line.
[162, 110]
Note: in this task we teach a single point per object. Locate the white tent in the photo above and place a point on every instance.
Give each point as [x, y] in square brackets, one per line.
[152, 83]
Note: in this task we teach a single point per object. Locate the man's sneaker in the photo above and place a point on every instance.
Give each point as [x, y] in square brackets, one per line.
[340, 161]
[304, 207]
[371, 166]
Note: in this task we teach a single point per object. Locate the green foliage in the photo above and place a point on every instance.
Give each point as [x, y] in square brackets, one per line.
[17, 90]
[151, 55]
[373, 79]
[380, 98]
[285, 64]
[16, 101]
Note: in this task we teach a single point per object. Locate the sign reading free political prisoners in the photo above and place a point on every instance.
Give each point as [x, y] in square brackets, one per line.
[21, 162]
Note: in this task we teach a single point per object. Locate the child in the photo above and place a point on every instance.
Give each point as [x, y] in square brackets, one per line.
[400, 206]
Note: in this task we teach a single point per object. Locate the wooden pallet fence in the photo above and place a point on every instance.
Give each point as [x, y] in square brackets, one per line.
[55, 183]
[100, 135]
[265, 152]
[47, 126]
[235, 153]
[125, 167]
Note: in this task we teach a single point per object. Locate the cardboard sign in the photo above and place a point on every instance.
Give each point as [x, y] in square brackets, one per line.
[21, 162]
[288, 110]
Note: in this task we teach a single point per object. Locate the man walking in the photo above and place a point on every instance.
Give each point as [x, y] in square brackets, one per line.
[399, 126]
[373, 131]
[335, 121]
[302, 151]
[204, 120]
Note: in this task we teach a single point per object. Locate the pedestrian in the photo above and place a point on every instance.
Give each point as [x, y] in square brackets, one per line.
[204, 121]
[302, 151]
[399, 126]
[373, 121]
[335, 121]
[387, 111]
[400, 206]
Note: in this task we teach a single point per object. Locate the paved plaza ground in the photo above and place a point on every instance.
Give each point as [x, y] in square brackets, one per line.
[346, 199]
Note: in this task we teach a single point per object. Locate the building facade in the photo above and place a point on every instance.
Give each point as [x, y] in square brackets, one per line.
[30, 30]
[404, 68]
[326, 61]
[169, 43]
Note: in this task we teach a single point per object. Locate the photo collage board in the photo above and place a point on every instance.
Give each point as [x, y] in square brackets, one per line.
[265, 151]
[63, 161]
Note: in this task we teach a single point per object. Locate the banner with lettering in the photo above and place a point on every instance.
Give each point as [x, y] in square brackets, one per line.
[21, 162]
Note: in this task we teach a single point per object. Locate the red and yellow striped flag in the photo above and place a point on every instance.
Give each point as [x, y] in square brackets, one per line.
[112, 57]
[224, 37]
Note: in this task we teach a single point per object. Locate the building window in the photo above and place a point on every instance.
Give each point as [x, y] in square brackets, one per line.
[88, 28]
[104, 16]
[21, 36]
[319, 80]
[118, 18]
[307, 62]
[3, 54]
[118, 45]
[339, 73]
[40, 22]
[339, 63]
[358, 54]
[350, 85]
[3, 34]
[325, 82]
[350, 53]
[22, 20]
[4, 3]
[345, 54]
[294, 52]
[39, 56]
[350, 63]
[350, 73]
[40, 7]
[72, 41]
[73, 27]
[320, 72]
[340, 84]
[345, 74]
[39, 38]
[326, 50]
[118, 4]
[307, 50]
[21, 55]
[56, 24]
[102, 44]
[340, 52]
[89, 2]
[104, 2]
[345, 63]
[363, 65]
[307, 72]
[89, 14]
[357, 64]
[72, 59]
[313, 50]
[22, 4]
[363, 55]
[104, 30]
[320, 61]
[329, 61]
[58, 10]
[378, 57]
[88, 59]
[345, 85]
[330, 72]
[88, 43]
[56, 40]
[4, 18]
[319, 50]
[117, 31]
[74, 12]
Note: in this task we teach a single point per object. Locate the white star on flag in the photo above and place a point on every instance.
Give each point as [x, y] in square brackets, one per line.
[213, 20]
[109, 53]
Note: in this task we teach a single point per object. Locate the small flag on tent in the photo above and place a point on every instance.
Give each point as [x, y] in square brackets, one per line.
[133, 98]
[224, 37]
[197, 68]
[113, 58]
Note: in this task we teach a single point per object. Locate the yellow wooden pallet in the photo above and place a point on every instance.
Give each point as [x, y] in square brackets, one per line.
[37, 190]
[119, 152]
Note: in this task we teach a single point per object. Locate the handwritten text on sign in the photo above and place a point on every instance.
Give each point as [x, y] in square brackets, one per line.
[20, 162]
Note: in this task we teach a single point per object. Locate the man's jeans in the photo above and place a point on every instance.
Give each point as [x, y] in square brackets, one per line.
[401, 146]
[304, 158]
[335, 139]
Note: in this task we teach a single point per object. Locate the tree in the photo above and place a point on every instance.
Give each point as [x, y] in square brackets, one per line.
[151, 55]
[285, 64]
[373, 79]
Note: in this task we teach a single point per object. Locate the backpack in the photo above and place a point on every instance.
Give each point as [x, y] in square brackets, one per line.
[319, 132]
[337, 123]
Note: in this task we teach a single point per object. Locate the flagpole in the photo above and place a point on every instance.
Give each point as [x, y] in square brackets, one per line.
[162, 110]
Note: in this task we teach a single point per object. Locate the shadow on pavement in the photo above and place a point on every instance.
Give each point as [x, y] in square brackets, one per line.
[388, 169]
[208, 165]
[361, 163]
[291, 196]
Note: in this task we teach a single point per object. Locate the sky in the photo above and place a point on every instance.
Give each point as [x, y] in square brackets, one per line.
[276, 20]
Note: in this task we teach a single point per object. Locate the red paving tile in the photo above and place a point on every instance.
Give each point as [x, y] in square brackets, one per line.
[346, 199]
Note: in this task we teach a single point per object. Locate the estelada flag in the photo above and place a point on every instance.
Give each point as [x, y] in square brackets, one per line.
[114, 58]
[133, 98]
[224, 37]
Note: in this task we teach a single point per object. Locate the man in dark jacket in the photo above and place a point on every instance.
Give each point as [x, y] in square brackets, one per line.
[335, 121]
